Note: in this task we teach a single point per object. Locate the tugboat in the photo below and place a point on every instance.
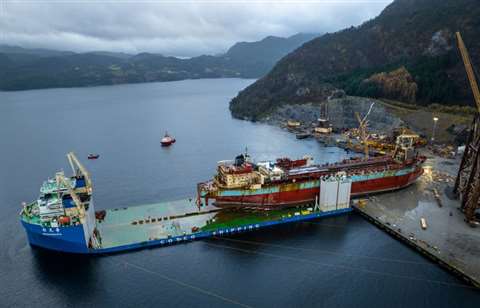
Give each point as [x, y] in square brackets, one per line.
[93, 156]
[167, 140]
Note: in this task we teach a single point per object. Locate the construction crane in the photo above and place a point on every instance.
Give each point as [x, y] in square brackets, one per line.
[80, 171]
[363, 124]
[469, 69]
[467, 184]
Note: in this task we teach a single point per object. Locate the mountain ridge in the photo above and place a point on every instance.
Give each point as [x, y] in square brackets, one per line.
[416, 34]
[43, 68]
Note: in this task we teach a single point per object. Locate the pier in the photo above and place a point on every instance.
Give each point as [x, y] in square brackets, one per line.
[427, 217]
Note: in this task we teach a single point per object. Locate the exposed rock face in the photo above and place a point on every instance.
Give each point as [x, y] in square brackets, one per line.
[294, 89]
[341, 114]
[440, 43]
[397, 84]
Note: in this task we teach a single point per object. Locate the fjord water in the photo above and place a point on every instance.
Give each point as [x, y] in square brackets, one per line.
[334, 262]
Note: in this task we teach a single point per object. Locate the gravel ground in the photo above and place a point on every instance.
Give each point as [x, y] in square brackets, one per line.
[341, 113]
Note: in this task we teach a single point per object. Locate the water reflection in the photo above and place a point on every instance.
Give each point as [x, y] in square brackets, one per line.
[72, 276]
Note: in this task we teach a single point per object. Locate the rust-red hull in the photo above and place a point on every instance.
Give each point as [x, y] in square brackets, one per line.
[294, 197]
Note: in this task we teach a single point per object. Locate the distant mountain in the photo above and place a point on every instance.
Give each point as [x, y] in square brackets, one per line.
[42, 68]
[120, 55]
[38, 52]
[255, 59]
[407, 52]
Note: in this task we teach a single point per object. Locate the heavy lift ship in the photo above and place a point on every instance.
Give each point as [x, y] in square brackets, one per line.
[63, 218]
[268, 185]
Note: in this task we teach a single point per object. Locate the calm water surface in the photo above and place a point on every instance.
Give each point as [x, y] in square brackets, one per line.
[334, 262]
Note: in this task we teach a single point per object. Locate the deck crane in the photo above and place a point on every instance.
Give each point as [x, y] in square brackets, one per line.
[62, 181]
[467, 184]
[80, 171]
[363, 123]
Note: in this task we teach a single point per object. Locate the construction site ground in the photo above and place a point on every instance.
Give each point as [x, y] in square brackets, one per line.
[420, 119]
[447, 239]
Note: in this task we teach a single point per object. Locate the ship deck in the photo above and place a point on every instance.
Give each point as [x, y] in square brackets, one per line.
[136, 224]
[178, 221]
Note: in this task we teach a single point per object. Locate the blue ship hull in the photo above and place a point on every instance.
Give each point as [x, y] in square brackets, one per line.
[63, 239]
[72, 239]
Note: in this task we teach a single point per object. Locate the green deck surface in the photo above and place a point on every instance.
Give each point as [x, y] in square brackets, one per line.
[174, 219]
[231, 218]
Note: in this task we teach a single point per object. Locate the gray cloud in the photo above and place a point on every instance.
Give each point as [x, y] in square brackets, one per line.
[181, 28]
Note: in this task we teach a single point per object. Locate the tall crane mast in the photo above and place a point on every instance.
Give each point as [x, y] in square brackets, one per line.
[469, 69]
[467, 184]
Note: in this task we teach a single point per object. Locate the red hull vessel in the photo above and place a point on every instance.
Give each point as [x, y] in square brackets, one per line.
[304, 196]
[292, 182]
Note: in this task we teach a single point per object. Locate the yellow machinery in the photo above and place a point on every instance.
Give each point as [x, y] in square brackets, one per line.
[362, 127]
[79, 170]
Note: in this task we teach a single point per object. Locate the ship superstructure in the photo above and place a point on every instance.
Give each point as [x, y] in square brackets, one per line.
[63, 216]
[242, 183]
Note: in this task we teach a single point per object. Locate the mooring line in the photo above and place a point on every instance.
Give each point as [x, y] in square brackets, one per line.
[325, 251]
[345, 267]
[184, 284]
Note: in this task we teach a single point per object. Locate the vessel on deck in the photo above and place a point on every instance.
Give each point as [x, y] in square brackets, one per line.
[243, 184]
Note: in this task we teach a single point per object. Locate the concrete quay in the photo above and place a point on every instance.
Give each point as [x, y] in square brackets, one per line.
[446, 238]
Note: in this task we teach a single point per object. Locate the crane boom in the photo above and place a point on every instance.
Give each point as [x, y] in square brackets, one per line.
[77, 167]
[357, 115]
[469, 69]
[72, 165]
[362, 126]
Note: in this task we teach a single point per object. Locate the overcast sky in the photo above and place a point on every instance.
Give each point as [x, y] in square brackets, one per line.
[179, 28]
